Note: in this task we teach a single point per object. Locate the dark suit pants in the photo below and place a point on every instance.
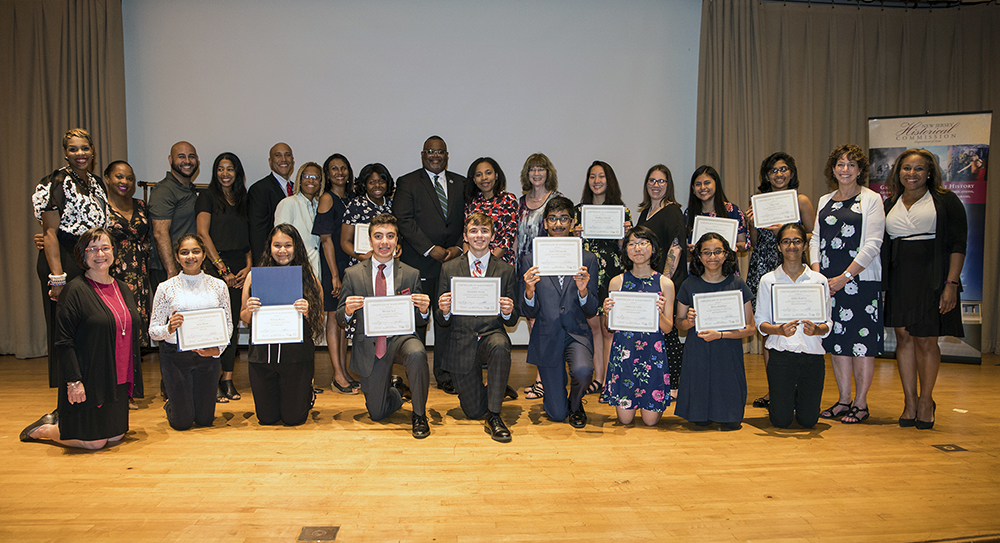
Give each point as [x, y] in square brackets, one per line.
[191, 381]
[580, 361]
[381, 399]
[474, 397]
[796, 384]
[282, 392]
[430, 286]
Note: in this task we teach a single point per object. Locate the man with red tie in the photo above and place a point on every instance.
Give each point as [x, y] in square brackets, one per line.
[372, 357]
[263, 197]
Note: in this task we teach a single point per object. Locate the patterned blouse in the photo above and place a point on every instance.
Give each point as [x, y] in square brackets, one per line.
[502, 208]
[360, 210]
[82, 205]
[132, 241]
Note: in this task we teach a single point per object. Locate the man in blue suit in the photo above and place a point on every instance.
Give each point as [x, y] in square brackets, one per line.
[561, 336]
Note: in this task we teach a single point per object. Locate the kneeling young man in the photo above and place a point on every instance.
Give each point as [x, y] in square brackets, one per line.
[372, 357]
[474, 341]
[561, 336]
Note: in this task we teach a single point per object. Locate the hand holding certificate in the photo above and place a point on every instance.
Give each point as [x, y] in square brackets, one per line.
[276, 305]
[799, 302]
[603, 222]
[558, 255]
[634, 311]
[727, 228]
[203, 329]
[389, 315]
[719, 311]
[475, 296]
[775, 208]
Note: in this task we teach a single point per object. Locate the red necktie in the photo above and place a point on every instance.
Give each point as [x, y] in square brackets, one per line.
[288, 188]
[380, 341]
[479, 270]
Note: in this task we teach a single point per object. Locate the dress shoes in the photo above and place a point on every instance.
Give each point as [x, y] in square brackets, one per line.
[448, 387]
[497, 429]
[420, 427]
[510, 393]
[397, 383]
[48, 418]
[578, 419]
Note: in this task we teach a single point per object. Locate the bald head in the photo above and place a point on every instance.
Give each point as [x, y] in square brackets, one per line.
[183, 161]
[280, 160]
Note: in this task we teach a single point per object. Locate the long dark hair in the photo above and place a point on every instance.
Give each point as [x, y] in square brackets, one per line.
[310, 285]
[641, 232]
[719, 199]
[802, 232]
[668, 194]
[366, 172]
[728, 267]
[768, 165]
[349, 186]
[472, 189]
[613, 192]
[239, 187]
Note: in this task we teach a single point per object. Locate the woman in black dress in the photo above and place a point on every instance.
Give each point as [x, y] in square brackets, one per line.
[97, 352]
[926, 230]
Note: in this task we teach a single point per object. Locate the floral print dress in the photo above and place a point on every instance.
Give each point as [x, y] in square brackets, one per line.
[857, 318]
[132, 239]
[638, 373]
[502, 208]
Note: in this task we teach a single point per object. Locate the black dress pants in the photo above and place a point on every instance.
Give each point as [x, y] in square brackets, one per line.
[796, 384]
[191, 381]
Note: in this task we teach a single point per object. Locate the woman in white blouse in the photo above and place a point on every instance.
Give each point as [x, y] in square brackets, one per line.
[299, 209]
[190, 377]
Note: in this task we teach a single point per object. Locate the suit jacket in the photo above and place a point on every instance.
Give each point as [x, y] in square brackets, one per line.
[262, 199]
[358, 282]
[558, 314]
[463, 341]
[422, 224]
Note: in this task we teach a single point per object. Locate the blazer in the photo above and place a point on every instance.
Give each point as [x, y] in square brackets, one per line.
[558, 314]
[872, 228]
[358, 282]
[422, 224]
[458, 355]
[262, 198]
[950, 236]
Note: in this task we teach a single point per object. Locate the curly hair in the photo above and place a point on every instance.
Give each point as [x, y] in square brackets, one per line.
[768, 165]
[641, 232]
[854, 153]
[934, 176]
[698, 267]
[539, 160]
[360, 183]
[310, 285]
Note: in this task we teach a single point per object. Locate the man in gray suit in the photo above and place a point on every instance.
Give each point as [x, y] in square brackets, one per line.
[372, 357]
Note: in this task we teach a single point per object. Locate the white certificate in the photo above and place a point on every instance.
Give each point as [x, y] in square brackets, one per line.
[634, 312]
[791, 302]
[389, 316]
[475, 296]
[557, 256]
[727, 228]
[361, 242]
[719, 311]
[276, 324]
[773, 208]
[202, 329]
[603, 222]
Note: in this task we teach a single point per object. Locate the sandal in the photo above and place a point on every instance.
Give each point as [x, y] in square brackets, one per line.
[349, 389]
[764, 402]
[595, 386]
[829, 414]
[535, 391]
[228, 389]
[220, 397]
[854, 415]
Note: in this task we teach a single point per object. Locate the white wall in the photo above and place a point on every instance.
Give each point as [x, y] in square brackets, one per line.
[577, 79]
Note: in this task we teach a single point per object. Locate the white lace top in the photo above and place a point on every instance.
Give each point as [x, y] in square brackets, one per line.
[185, 292]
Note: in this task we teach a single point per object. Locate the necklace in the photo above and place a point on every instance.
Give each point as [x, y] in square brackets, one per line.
[120, 321]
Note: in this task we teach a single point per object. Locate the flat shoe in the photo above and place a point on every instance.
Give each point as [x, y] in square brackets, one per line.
[48, 418]
[349, 389]
[763, 402]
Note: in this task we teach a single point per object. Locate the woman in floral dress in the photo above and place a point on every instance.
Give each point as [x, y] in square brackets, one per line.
[128, 223]
[487, 193]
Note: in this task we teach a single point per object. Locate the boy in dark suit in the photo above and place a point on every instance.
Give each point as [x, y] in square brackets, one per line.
[561, 336]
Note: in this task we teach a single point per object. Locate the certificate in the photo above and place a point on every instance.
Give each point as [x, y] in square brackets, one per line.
[276, 324]
[557, 256]
[389, 316]
[791, 302]
[603, 222]
[726, 228]
[361, 242]
[475, 296]
[634, 312]
[773, 208]
[719, 311]
[202, 329]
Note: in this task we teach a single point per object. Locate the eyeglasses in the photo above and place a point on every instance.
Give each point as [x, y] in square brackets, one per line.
[641, 244]
[313, 177]
[652, 181]
[439, 152]
[559, 220]
[712, 252]
[788, 242]
[537, 169]
[782, 169]
[101, 249]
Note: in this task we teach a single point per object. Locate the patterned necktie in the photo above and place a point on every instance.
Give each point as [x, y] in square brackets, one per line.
[288, 188]
[479, 270]
[442, 197]
[380, 341]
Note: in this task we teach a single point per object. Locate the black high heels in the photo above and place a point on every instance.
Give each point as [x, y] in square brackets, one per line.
[925, 425]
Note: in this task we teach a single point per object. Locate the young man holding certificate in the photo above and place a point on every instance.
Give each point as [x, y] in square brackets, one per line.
[560, 305]
[372, 357]
[469, 287]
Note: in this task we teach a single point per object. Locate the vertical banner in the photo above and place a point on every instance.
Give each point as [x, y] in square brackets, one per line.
[961, 143]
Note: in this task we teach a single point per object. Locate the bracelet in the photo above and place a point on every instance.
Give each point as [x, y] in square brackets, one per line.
[950, 282]
[57, 283]
[57, 277]
[73, 384]
[217, 260]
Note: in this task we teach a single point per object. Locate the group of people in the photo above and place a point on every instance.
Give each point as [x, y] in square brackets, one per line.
[358, 237]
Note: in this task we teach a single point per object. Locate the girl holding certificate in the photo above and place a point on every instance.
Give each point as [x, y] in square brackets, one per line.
[797, 369]
[713, 385]
[845, 248]
[638, 372]
[777, 173]
[190, 377]
[927, 229]
[281, 374]
[708, 199]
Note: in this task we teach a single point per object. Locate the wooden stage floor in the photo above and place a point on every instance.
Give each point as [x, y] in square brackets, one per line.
[238, 481]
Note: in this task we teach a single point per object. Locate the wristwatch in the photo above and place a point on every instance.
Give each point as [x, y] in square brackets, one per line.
[848, 275]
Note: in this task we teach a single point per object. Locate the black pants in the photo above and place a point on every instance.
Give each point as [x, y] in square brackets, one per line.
[430, 286]
[381, 400]
[282, 392]
[476, 398]
[191, 381]
[580, 361]
[796, 384]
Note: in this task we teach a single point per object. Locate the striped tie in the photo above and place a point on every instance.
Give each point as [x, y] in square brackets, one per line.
[479, 269]
[442, 197]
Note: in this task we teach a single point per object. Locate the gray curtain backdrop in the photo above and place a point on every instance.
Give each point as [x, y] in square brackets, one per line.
[804, 79]
[62, 65]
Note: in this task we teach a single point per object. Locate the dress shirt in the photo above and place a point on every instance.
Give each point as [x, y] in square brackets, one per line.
[442, 179]
[800, 342]
[390, 284]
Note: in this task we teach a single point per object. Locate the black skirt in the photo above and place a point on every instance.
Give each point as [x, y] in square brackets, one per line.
[911, 301]
[103, 422]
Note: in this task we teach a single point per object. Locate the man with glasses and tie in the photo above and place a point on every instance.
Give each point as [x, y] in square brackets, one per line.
[372, 357]
[263, 197]
[430, 206]
[481, 339]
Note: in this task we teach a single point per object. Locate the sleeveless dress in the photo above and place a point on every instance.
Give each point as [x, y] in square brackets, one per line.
[638, 372]
[857, 320]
